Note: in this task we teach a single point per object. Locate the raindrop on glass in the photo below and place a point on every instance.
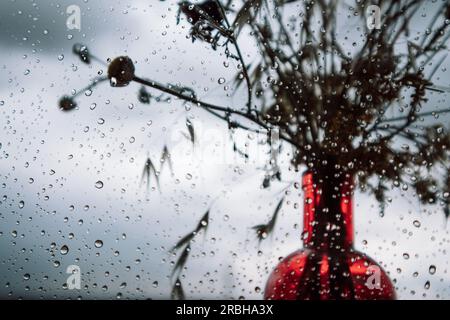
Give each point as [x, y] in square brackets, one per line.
[64, 250]
[99, 184]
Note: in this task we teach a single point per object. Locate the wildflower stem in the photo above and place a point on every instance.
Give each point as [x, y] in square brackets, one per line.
[98, 60]
[255, 119]
[94, 82]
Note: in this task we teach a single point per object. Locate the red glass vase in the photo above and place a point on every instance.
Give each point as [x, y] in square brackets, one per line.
[328, 268]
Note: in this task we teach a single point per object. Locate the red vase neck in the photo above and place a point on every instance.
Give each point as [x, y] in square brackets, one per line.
[327, 210]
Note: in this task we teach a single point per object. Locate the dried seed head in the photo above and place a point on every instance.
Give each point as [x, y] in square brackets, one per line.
[121, 71]
[67, 103]
[196, 12]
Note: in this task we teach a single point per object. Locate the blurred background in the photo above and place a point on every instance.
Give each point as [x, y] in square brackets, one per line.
[70, 183]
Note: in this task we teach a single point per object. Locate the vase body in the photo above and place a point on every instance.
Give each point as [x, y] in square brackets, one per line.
[328, 268]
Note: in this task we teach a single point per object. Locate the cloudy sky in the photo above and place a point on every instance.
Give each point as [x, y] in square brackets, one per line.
[52, 163]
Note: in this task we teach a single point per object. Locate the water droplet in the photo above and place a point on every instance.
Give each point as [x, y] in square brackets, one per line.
[304, 235]
[21, 204]
[64, 250]
[155, 284]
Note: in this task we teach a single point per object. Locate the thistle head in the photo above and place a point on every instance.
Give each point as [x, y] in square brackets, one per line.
[67, 103]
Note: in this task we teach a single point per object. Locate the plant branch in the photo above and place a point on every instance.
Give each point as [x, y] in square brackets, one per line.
[418, 115]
